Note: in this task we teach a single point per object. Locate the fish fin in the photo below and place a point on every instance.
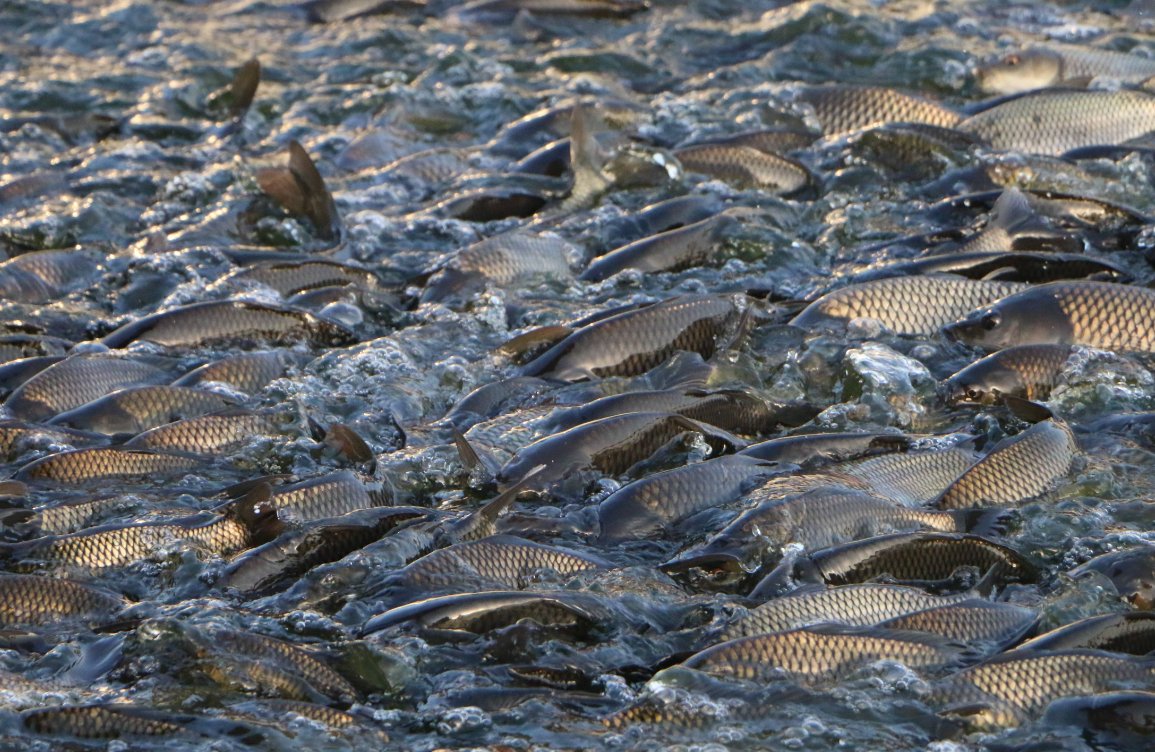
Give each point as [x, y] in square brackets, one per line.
[1002, 274]
[13, 488]
[244, 87]
[280, 184]
[744, 325]
[97, 659]
[396, 421]
[469, 456]
[985, 587]
[238, 490]
[586, 160]
[543, 335]
[318, 202]
[1025, 410]
[495, 508]
[984, 522]
[349, 444]
[1010, 208]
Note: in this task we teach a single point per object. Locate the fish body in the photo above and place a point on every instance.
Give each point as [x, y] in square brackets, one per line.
[1059, 120]
[136, 409]
[1025, 371]
[1128, 632]
[489, 401]
[504, 260]
[971, 621]
[76, 381]
[290, 278]
[914, 478]
[249, 372]
[1018, 469]
[821, 653]
[670, 251]
[1095, 314]
[905, 305]
[745, 166]
[41, 276]
[1131, 571]
[286, 656]
[633, 342]
[103, 721]
[228, 322]
[329, 495]
[46, 601]
[841, 109]
[481, 612]
[216, 433]
[1061, 65]
[79, 466]
[822, 448]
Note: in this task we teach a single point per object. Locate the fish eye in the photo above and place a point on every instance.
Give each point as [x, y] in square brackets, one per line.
[973, 394]
[990, 321]
[1012, 60]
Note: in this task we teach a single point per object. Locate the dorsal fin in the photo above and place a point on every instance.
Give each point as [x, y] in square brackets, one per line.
[244, 88]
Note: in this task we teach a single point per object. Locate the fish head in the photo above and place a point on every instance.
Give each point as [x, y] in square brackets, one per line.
[1026, 318]
[980, 388]
[1020, 71]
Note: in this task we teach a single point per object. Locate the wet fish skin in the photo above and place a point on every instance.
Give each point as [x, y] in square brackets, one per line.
[229, 321]
[633, 342]
[505, 561]
[17, 435]
[329, 495]
[216, 433]
[970, 622]
[103, 721]
[1040, 67]
[1129, 632]
[1004, 266]
[671, 251]
[287, 656]
[1024, 682]
[76, 381]
[136, 409]
[1095, 314]
[652, 504]
[610, 446]
[821, 653]
[911, 479]
[905, 305]
[1132, 572]
[501, 11]
[810, 450]
[80, 466]
[841, 109]
[1019, 469]
[249, 372]
[745, 166]
[1057, 121]
[481, 612]
[489, 400]
[13, 373]
[504, 260]
[46, 601]
[1026, 371]
[917, 557]
[852, 605]
[1124, 718]
[290, 278]
[41, 276]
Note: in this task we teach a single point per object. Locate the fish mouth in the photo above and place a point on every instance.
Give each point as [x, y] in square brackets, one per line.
[719, 562]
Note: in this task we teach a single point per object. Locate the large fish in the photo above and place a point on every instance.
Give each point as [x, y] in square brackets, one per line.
[504, 260]
[841, 109]
[76, 381]
[822, 448]
[216, 433]
[1026, 371]
[905, 305]
[1131, 571]
[671, 251]
[1060, 65]
[972, 622]
[47, 601]
[482, 612]
[911, 479]
[1096, 314]
[136, 409]
[248, 373]
[745, 166]
[81, 466]
[1130, 632]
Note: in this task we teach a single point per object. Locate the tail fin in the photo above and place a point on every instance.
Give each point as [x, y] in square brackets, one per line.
[586, 161]
[349, 444]
[1025, 410]
[985, 587]
[318, 202]
[984, 522]
[482, 523]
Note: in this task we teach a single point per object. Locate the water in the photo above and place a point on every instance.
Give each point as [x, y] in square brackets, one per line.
[116, 109]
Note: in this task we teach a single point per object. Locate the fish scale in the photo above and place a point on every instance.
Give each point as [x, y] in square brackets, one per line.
[76, 381]
[841, 109]
[503, 560]
[327, 496]
[138, 409]
[1053, 122]
[969, 621]
[98, 722]
[915, 556]
[1027, 371]
[1020, 469]
[30, 599]
[905, 305]
[744, 165]
[83, 465]
[286, 656]
[852, 605]
[1027, 681]
[249, 372]
[815, 654]
[911, 479]
[216, 433]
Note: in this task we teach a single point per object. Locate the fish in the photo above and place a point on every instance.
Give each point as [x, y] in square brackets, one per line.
[1129, 632]
[1131, 571]
[482, 612]
[331, 11]
[1118, 720]
[82, 466]
[492, 399]
[1102, 315]
[811, 450]
[610, 446]
[822, 653]
[41, 276]
[672, 214]
[135, 409]
[1057, 120]
[670, 251]
[243, 88]
[1016, 470]
[971, 622]
[503, 11]
[286, 709]
[911, 479]
[76, 381]
[13, 373]
[248, 373]
[302, 191]
[916, 557]
[113, 546]
[1060, 65]
[505, 260]
[817, 519]
[656, 503]
[633, 342]
[290, 278]
[852, 605]
[16, 436]
[216, 433]
[905, 305]
[503, 561]
[841, 109]
[1013, 225]
[72, 515]
[727, 409]
[1022, 683]
[47, 601]
[746, 166]
[229, 322]
[285, 656]
[111, 721]
[329, 495]
[1003, 266]
[1026, 371]
[277, 564]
